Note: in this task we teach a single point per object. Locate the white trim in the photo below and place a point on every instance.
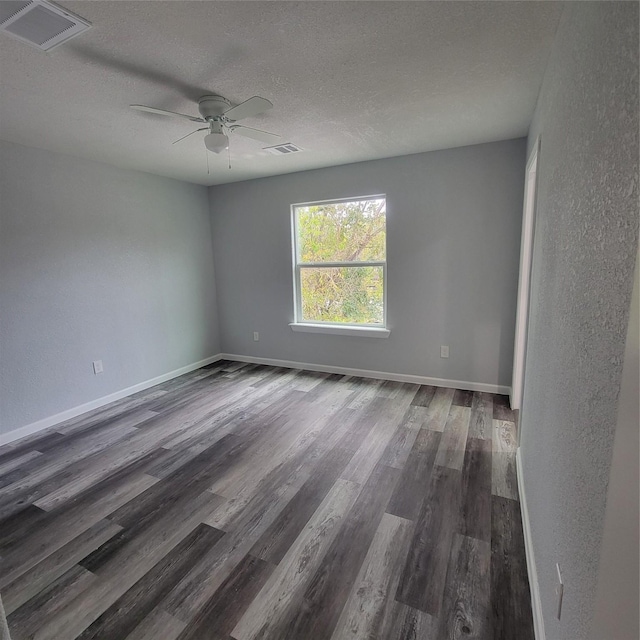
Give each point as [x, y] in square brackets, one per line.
[341, 330]
[536, 605]
[51, 421]
[524, 278]
[297, 265]
[313, 203]
[366, 373]
[332, 265]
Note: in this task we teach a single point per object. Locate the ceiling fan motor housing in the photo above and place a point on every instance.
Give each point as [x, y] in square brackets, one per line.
[213, 106]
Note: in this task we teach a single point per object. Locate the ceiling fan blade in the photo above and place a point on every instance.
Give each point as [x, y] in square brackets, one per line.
[248, 108]
[190, 134]
[256, 134]
[163, 112]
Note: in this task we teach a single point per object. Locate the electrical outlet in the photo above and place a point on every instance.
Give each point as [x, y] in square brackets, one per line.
[559, 591]
[256, 336]
[97, 367]
[444, 351]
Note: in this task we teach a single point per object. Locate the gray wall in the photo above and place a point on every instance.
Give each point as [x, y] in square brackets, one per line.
[453, 240]
[585, 249]
[96, 263]
[618, 594]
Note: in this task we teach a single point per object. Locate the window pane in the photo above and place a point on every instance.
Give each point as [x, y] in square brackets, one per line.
[342, 294]
[342, 232]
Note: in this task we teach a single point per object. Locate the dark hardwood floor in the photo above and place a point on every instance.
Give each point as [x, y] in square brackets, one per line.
[252, 502]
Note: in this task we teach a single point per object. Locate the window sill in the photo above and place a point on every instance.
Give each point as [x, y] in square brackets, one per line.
[362, 332]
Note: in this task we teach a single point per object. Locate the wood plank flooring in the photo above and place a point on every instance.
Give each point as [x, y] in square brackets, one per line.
[249, 502]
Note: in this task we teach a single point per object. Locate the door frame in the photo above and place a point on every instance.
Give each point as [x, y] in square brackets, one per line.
[524, 280]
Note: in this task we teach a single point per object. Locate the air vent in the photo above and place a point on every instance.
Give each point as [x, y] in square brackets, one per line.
[40, 23]
[10, 8]
[283, 149]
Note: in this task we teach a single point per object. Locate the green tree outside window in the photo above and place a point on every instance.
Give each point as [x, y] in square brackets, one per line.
[341, 259]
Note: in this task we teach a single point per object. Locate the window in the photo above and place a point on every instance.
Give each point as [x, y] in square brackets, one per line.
[340, 263]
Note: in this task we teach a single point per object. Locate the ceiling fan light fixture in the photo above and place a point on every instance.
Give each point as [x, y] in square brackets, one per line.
[216, 142]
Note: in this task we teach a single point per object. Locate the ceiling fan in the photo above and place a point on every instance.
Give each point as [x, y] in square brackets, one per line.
[221, 119]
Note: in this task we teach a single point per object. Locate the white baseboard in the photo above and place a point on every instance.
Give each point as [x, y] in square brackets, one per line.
[536, 605]
[51, 421]
[366, 373]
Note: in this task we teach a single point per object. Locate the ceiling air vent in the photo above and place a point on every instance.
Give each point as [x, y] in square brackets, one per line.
[283, 149]
[39, 23]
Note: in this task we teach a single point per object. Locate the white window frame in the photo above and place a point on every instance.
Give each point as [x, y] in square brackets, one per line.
[337, 328]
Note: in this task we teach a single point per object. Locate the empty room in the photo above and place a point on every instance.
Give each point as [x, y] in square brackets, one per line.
[319, 320]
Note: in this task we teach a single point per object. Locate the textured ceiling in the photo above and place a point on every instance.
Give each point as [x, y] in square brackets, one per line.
[349, 81]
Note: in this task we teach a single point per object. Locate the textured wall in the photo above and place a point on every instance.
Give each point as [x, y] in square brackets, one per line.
[453, 239]
[96, 263]
[616, 615]
[585, 247]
